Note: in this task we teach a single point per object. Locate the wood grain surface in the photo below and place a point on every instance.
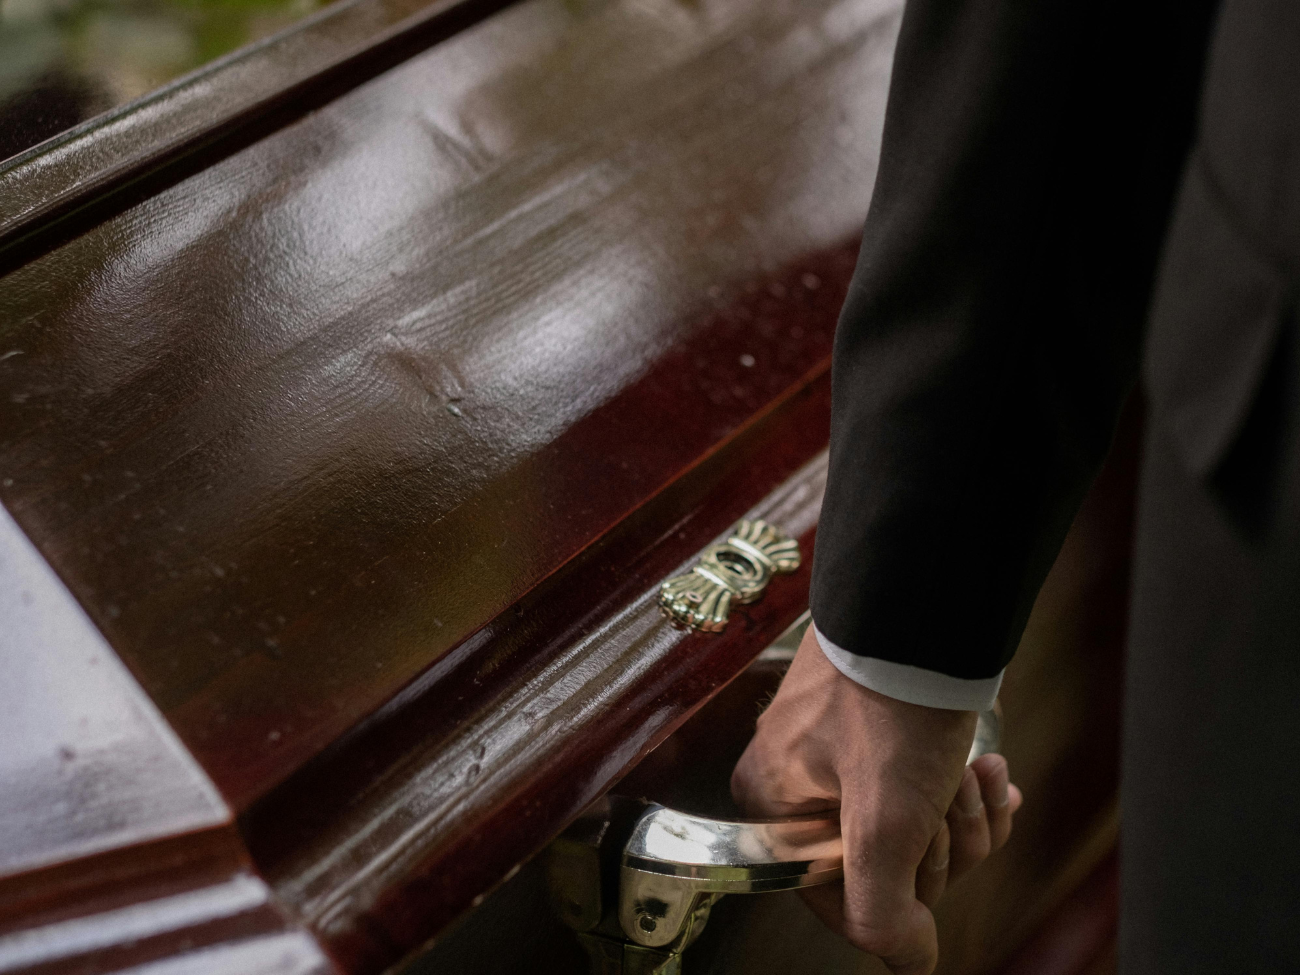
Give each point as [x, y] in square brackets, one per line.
[78, 735]
[300, 426]
[348, 441]
[365, 443]
[1044, 905]
[379, 847]
[115, 849]
[99, 166]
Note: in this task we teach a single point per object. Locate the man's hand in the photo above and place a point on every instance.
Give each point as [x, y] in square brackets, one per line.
[913, 817]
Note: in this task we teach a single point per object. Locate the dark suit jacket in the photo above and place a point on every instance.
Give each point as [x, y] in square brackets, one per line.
[1054, 176]
[1031, 153]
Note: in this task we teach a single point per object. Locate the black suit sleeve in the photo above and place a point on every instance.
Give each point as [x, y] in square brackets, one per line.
[1030, 156]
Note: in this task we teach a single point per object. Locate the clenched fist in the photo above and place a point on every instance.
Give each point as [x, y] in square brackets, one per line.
[913, 817]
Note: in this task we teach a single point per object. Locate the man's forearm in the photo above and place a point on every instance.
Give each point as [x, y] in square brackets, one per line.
[992, 328]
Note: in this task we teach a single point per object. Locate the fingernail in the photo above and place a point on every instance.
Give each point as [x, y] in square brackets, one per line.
[939, 852]
[968, 795]
[997, 785]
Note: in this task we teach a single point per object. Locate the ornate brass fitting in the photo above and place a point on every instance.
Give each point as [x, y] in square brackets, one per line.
[734, 571]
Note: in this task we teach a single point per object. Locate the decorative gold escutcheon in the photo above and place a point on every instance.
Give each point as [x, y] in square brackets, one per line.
[734, 571]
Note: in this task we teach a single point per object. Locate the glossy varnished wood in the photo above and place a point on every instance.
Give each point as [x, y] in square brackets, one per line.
[466, 801]
[115, 849]
[78, 734]
[298, 427]
[1044, 905]
[190, 123]
[360, 440]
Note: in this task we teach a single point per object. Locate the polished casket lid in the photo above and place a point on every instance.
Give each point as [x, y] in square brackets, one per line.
[364, 445]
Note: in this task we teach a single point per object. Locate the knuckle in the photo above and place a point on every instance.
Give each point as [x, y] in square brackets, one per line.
[881, 941]
[751, 779]
[877, 920]
[971, 848]
[756, 762]
[999, 831]
[986, 765]
[746, 780]
[763, 785]
[739, 784]
[899, 828]
[896, 944]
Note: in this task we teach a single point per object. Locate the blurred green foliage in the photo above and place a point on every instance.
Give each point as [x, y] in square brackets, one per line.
[100, 53]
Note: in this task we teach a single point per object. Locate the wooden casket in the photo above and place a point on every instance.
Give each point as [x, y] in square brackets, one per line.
[357, 392]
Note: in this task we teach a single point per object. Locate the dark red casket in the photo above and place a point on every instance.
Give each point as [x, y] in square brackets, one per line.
[356, 394]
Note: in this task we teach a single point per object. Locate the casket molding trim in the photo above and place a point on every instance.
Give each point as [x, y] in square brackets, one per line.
[338, 885]
[111, 161]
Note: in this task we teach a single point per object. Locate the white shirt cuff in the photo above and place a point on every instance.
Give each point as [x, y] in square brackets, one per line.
[915, 685]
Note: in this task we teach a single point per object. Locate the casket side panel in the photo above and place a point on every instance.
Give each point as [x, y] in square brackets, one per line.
[350, 439]
[300, 425]
[116, 851]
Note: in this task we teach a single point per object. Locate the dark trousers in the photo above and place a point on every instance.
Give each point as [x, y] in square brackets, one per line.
[1211, 781]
